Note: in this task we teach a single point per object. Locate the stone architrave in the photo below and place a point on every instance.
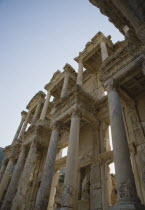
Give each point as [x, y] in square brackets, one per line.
[127, 195]
[45, 107]
[19, 200]
[37, 112]
[104, 51]
[14, 181]
[46, 181]
[65, 86]
[6, 177]
[70, 180]
[20, 126]
[80, 73]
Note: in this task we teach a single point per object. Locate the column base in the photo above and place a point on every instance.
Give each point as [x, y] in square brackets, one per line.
[127, 206]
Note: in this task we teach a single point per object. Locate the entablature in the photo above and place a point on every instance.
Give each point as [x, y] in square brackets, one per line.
[56, 83]
[40, 131]
[91, 55]
[125, 66]
[76, 99]
[35, 100]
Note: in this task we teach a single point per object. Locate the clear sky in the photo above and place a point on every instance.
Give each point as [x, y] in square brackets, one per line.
[37, 37]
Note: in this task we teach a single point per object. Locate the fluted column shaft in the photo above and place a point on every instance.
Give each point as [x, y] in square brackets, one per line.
[65, 86]
[45, 107]
[25, 124]
[2, 170]
[124, 174]
[70, 180]
[45, 186]
[104, 51]
[19, 199]
[19, 129]
[6, 177]
[14, 181]
[80, 73]
[37, 112]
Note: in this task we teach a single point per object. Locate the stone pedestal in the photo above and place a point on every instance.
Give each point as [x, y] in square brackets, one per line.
[14, 181]
[83, 205]
[19, 200]
[6, 177]
[46, 181]
[45, 107]
[127, 195]
[70, 181]
[65, 86]
[80, 73]
[128, 206]
[37, 112]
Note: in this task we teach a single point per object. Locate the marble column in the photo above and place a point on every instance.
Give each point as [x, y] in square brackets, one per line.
[6, 177]
[53, 191]
[80, 73]
[70, 181]
[45, 107]
[14, 181]
[65, 86]
[37, 112]
[46, 180]
[104, 51]
[20, 127]
[3, 168]
[19, 200]
[25, 124]
[127, 195]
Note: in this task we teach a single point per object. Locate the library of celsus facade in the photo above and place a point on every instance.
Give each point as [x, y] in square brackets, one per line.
[77, 111]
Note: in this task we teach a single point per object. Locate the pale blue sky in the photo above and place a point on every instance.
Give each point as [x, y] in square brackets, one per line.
[37, 37]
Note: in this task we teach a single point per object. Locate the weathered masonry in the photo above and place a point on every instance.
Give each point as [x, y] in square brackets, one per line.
[107, 90]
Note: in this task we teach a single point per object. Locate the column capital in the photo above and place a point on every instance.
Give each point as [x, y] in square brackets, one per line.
[112, 85]
[81, 61]
[56, 125]
[23, 114]
[76, 112]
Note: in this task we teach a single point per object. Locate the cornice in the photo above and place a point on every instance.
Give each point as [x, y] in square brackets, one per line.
[35, 99]
[70, 69]
[119, 60]
[93, 44]
[55, 77]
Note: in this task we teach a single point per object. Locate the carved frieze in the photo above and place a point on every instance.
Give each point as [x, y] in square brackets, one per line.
[117, 61]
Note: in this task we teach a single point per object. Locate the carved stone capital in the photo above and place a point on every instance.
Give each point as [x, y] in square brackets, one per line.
[127, 191]
[55, 125]
[76, 112]
[112, 85]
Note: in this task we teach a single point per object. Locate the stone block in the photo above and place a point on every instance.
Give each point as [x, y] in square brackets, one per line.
[127, 207]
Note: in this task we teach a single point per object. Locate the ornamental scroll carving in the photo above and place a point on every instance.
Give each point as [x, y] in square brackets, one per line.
[119, 60]
[126, 190]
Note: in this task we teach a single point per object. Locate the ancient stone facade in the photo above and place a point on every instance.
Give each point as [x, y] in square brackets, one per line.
[108, 89]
